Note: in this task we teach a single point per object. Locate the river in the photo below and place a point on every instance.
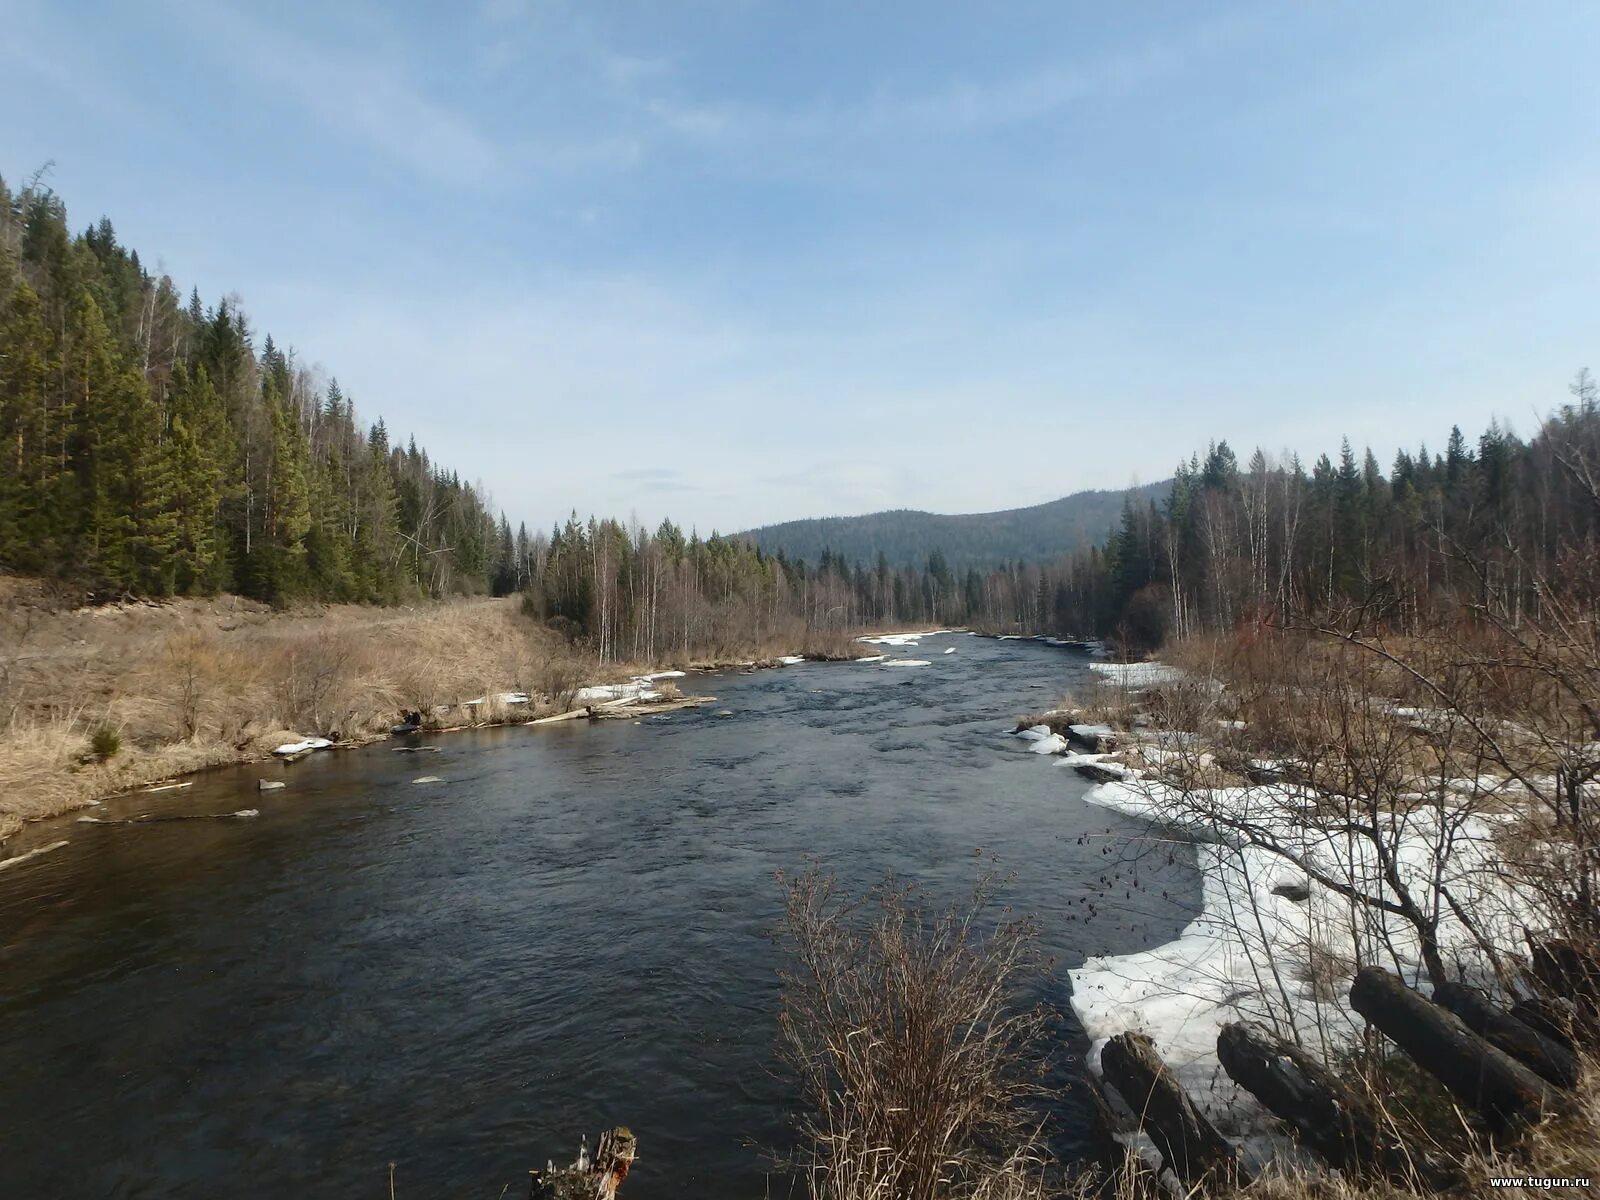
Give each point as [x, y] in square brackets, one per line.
[571, 931]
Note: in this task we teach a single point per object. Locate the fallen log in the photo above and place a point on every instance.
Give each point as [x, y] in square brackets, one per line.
[1335, 1121]
[629, 710]
[1570, 971]
[1547, 1057]
[1103, 1127]
[571, 715]
[588, 1179]
[1555, 1017]
[1189, 1143]
[1482, 1076]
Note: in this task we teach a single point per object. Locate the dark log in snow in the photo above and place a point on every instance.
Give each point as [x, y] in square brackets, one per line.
[1550, 1059]
[1332, 1119]
[1189, 1143]
[1483, 1077]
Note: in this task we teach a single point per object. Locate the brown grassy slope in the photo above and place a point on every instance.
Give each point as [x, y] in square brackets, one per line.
[197, 683]
[190, 684]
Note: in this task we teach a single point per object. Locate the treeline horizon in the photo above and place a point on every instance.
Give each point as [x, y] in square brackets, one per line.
[1486, 525]
[150, 449]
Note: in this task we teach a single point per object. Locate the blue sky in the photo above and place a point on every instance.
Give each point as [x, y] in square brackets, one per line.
[739, 262]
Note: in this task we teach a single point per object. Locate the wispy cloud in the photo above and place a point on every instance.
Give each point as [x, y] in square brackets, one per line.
[369, 100]
[963, 106]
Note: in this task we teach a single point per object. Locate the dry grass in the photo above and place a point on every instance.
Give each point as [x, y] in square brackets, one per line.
[201, 683]
[918, 1064]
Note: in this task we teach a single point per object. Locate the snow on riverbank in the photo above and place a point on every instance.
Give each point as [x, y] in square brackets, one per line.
[601, 693]
[1136, 675]
[904, 639]
[1273, 945]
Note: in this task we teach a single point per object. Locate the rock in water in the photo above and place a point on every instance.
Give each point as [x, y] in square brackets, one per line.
[268, 785]
[427, 779]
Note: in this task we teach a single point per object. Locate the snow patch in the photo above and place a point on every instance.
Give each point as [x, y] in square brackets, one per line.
[1137, 675]
[300, 747]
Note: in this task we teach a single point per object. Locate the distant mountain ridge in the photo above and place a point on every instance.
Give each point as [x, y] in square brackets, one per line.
[906, 537]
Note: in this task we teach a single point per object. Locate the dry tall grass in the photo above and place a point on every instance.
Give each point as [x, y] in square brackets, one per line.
[195, 684]
[919, 1067]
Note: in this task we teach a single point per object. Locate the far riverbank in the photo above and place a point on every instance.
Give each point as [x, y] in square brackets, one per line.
[112, 699]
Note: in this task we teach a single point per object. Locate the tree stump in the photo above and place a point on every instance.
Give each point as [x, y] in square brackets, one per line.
[1549, 1058]
[1335, 1121]
[588, 1179]
[1189, 1143]
[1483, 1077]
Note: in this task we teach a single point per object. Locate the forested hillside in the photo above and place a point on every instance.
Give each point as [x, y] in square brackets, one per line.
[154, 445]
[905, 537]
[1486, 525]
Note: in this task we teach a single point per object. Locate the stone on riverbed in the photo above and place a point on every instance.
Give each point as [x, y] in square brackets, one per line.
[1096, 737]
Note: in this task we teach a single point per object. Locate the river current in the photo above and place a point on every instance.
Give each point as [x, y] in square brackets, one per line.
[571, 930]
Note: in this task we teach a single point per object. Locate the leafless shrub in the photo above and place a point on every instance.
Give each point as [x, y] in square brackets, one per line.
[308, 675]
[917, 1063]
[558, 678]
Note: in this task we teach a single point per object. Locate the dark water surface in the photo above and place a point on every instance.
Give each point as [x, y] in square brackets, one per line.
[570, 932]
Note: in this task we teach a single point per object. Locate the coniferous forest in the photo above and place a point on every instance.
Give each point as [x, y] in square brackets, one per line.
[152, 447]
[155, 447]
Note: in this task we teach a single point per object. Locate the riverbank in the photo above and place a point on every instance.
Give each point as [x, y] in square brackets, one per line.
[105, 700]
[1338, 822]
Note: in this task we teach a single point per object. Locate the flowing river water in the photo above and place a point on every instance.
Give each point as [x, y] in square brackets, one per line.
[570, 931]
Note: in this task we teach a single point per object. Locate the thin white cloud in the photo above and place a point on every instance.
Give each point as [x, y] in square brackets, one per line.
[369, 100]
[962, 106]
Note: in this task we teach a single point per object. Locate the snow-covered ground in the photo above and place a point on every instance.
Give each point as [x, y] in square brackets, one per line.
[1136, 675]
[1273, 945]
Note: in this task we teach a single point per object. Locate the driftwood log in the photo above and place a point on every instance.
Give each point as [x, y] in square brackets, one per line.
[596, 1178]
[1189, 1143]
[1547, 1057]
[1335, 1121]
[1480, 1075]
